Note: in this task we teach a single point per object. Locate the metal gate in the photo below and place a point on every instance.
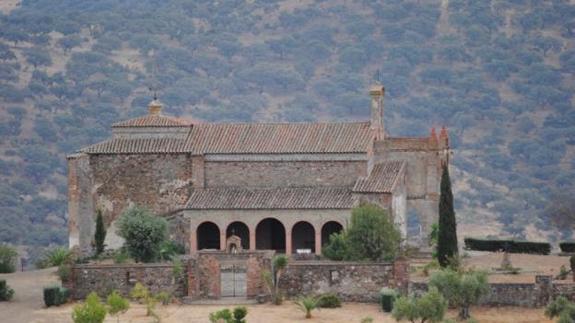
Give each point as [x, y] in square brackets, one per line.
[233, 280]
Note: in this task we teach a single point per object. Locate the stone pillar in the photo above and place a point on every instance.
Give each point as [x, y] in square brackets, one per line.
[223, 240]
[318, 242]
[544, 284]
[401, 275]
[252, 239]
[193, 240]
[288, 242]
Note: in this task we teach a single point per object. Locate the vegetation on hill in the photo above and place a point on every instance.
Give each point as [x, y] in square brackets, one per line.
[498, 73]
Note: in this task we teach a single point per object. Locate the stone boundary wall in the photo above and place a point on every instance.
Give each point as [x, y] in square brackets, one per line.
[535, 294]
[103, 279]
[351, 281]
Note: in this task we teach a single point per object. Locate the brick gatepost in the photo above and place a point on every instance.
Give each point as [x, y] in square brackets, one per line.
[401, 274]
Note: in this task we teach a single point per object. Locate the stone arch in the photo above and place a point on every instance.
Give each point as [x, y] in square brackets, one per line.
[241, 230]
[208, 236]
[328, 229]
[271, 235]
[303, 236]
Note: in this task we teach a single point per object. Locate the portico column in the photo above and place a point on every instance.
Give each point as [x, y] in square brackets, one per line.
[288, 241]
[223, 240]
[252, 238]
[193, 239]
[317, 242]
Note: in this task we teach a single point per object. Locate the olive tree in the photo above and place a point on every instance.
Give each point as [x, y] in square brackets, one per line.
[430, 307]
[143, 231]
[461, 289]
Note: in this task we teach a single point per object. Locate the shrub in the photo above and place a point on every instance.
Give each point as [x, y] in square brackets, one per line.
[372, 235]
[328, 300]
[144, 233]
[92, 311]
[271, 279]
[306, 305]
[64, 272]
[336, 248]
[164, 297]
[8, 258]
[6, 293]
[55, 295]
[512, 246]
[460, 289]
[54, 257]
[567, 246]
[141, 294]
[430, 307]
[226, 316]
[561, 308]
[117, 304]
[387, 298]
[169, 249]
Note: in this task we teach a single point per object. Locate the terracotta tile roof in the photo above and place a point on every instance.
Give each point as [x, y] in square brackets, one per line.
[137, 146]
[382, 178]
[273, 198]
[213, 138]
[152, 121]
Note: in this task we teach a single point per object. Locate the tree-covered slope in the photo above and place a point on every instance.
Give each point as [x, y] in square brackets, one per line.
[498, 73]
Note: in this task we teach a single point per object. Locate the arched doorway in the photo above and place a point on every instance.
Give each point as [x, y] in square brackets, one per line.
[208, 235]
[328, 229]
[241, 230]
[303, 236]
[271, 235]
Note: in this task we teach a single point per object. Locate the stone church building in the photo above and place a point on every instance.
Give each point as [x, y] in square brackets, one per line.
[280, 186]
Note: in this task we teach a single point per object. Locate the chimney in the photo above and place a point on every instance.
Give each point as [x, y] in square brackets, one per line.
[377, 92]
[433, 138]
[155, 107]
[444, 137]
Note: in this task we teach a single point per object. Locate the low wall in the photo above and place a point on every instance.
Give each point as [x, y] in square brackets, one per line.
[351, 281]
[103, 279]
[509, 294]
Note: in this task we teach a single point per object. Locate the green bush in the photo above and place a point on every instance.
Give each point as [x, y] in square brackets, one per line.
[6, 293]
[567, 246]
[370, 236]
[144, 233]
[461, 289]
[328, 300]
[55, 295]
[512, 246]
[54, 257]
[117, 304]
[8, 258]
[226, 316]
[92, 311]
[387, 298]
[307, 304]
[430, 307]
[561, 308]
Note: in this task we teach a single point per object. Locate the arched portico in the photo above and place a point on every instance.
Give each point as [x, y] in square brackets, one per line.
[241, 230]
[208, 236]
[328, 229]
[271, 235]
[303, 236]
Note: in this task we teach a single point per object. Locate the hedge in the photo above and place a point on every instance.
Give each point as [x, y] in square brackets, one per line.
[567, 246]
[6, 292]
[512, 246]
[55, 295]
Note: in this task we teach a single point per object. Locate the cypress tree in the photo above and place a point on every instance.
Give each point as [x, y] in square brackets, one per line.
[100, 235]
[447, 237]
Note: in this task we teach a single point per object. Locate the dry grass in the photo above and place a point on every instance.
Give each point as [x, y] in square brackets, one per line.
[288, 313]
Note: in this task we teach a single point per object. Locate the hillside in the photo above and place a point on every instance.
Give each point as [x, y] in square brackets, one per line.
[498, 73]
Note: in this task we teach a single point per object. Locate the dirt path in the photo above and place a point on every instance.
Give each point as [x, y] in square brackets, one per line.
[28, 300]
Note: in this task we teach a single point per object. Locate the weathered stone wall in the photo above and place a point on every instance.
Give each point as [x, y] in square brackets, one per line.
[103, 279]
[160, 182]
[511, 294]
[356, 282]
[283, 173]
